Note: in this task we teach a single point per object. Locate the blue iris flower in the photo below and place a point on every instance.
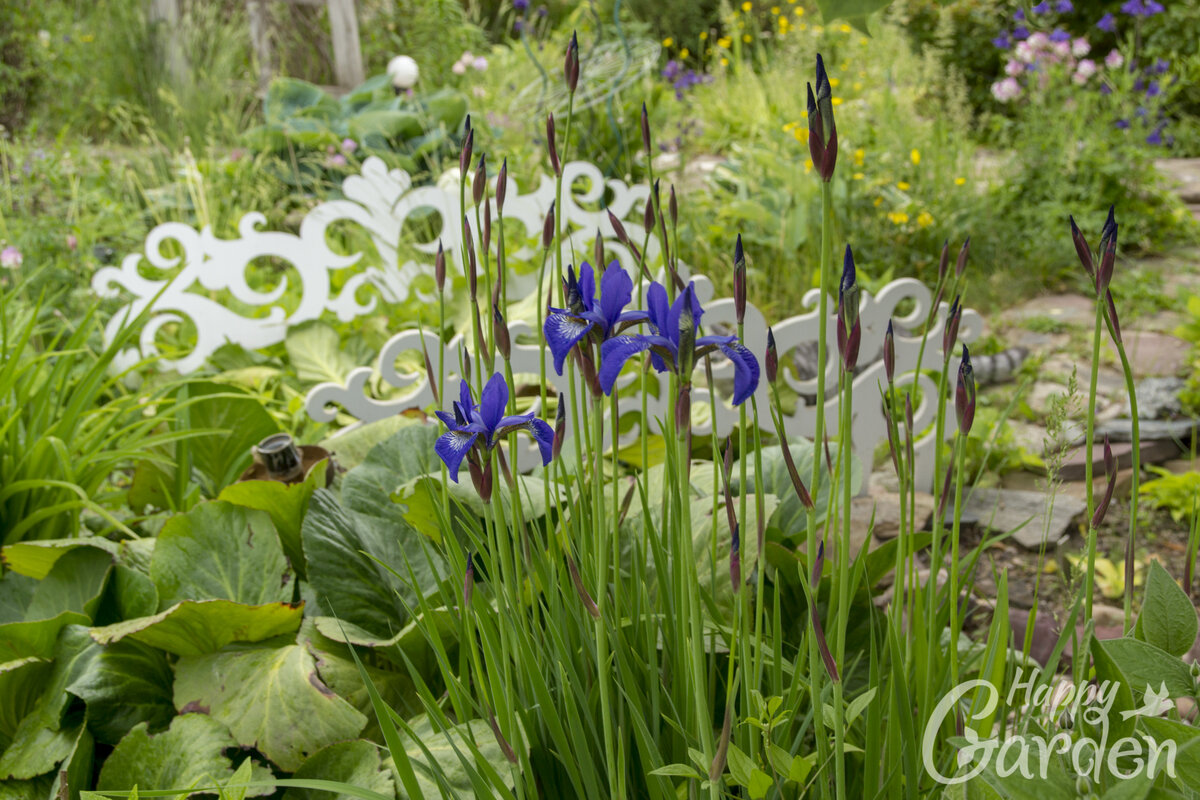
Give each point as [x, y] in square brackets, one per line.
[1107, 23]
[475, 429]
[673, 345]
[565, 327]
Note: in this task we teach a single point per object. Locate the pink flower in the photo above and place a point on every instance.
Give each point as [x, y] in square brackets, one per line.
[1086, 68]
[1014, 68]
[10, 257]
[1038, 40]
[1006, 90]
[459, 68]
[1080, 47]
[336, 160]
[72, 242]
[1060, 49]
[349, 146]
[480, 64]
[1114, 59]
[1024, 52]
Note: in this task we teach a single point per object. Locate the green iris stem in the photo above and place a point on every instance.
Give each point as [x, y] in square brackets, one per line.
[600, 534]
[1137, 461]
[954, 542]
[1089, 440]
[490, 352]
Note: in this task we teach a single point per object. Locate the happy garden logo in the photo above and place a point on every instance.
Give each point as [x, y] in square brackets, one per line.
[1069, 721]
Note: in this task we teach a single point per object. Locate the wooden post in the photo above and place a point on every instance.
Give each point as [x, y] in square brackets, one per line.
[256, 12]
[164, 14]
[347, 57]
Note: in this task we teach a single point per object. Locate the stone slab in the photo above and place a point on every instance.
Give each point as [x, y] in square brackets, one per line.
[1029, 513]
[1154, 354]
[1153, 451]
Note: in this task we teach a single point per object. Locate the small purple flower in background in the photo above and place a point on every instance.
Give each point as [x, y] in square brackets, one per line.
[1002, 41]
[1107, 23]
[1141, 112]
[349, 146]
[1064, 7]
[475, 429]
[1114, 59]
[1153, 90]
[1153, 8]
[10, 257]
[542, 11]
[336, 160]
[520, 5]
[1105, 89]
[1161, 66]
[1019, 14]
[480, 64]
[1122, 124]
[518, 26]
[672, 69]
[72, 242]
[1041, 8]
[1059, 36]
[1139, 85]
[1155, 136]
[1020, 32]
[1137, 8]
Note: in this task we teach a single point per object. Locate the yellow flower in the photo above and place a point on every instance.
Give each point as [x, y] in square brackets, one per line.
[802, 26]
[818, 29]
[858, 176]
[834, 82]
[788, 126]
[724, 62]
[844, 28]
[837, 101]
[799, 12]
[878, 202]
[775, 10]
[959, 181]
[903, 186]
[924, 219]
[801, 134]
[808, 165]
[859, 155]
[857, 86]
[704, 36]
[804, 114]
[746, 6]
[87, 37]
[683, 53]
[747, 38]
[724, 42]
[915, 155]
[898, 217]
[668, 42]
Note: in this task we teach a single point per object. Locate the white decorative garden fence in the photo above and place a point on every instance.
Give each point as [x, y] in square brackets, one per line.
[381, 200]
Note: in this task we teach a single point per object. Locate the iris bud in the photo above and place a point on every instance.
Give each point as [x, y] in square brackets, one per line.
[645, 130]
[571, 64]
[439, 268]
[772, 358]
[548, 228]
[502, 186]
[551, 144]
[739, 281]
[964, 396]
[480, 182]
[889, 354]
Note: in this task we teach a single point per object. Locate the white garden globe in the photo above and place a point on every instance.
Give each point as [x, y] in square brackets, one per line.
[403, 71]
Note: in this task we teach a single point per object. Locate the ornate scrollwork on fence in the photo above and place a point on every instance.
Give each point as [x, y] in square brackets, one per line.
[211, 270]
[868, 421]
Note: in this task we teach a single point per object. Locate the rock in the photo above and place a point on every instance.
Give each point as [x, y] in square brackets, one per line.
[1029, 513]
[1153, 451]
[1121, 430]
[1184, 173]
[1078, 489]
[1162, 322]
[1154, 354]
[1069, 309]
[1022, 481]
[1158, 398]
[887, 514]
[1181, 465]
[1036, 342]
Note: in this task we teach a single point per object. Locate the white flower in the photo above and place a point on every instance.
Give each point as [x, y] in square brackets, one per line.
[459, 68]
[10, 257]
[1014, 68]
[1086, 68]
[1024, 52]
[1080, 47]
[1114, 59]
[1038, 40]
[480, 64]
[403, 71]
[1006, 89]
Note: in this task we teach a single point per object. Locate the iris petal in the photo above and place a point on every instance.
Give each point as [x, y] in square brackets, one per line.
[563, 331]
[745, 371]
[613, 355]
[493, 402]
[512, 423]
[657, 308]
[448, 420]
[452, 447]
[587, 286]
[616, 290]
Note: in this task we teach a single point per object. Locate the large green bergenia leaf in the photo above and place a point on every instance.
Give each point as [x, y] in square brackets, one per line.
[123, 684]
[242, 422]
[286, 505]
[357, 763]
[196, 627]
[35, 558]
[191, 753]
[790, 518]
[32, 613]
[473, 741]
[317, 354]
[287, 97]
[21, 683]
[220, 551]
[271, 699]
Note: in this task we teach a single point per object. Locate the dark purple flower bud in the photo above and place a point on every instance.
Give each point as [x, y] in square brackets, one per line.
[548, 228]
[586, 598]
[502, 186]
[481, 477]
[433, 384]
[1110, 470]
[503, 339]
[960, 266]
[727, 470]
[849, 331]
[648, 217]
[598, 249]
[739, 281]
[735, 558]
[480, 182]
[487, 228]
[618, 228]
[560, 426]
[551, 144]
[468, 582]
[571, 64]
[683, 409]
[772, 357]
[646, 131]
[964, 396]
[826, 656]
[464, 156]
[941, 510]
[950, 334]
[798, 486]
[464, 358]
[505, 747]
[944, 262]
[822, 129]
[1082, 249]
[889, 354]
[439, 268]
[673, 207]
[473, 273]
[1112, 317]
[1108, 251]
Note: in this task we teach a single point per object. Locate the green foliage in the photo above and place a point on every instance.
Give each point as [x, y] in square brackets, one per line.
[1178, 493]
